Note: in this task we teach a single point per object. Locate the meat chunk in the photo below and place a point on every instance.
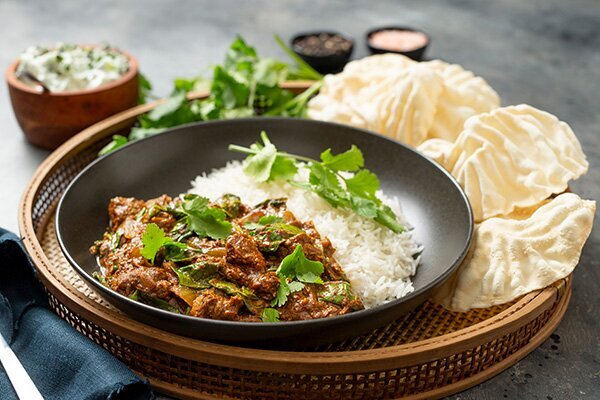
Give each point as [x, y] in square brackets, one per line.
[213, 303]
[313, 250]
[120, 208]
[265, 284]
[153, 281]
[242, 250]
[305, 304]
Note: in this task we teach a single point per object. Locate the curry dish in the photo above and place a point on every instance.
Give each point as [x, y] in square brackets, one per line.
[222, 260]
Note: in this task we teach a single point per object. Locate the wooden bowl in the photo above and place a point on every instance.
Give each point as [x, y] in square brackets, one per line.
[48, 119]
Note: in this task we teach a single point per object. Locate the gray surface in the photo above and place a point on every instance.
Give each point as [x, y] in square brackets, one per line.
[545, 53]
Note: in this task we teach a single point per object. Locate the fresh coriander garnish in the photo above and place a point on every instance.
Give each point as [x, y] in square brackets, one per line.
[244, 85]
[294, 271]
[284, 290]
[153, 239]
[340, 179]
[205, 220]
[297, 266]
[270, 315]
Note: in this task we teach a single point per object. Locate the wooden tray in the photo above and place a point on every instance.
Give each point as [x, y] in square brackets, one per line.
[429, 353]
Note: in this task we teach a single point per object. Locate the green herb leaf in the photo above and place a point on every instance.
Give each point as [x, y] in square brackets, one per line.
[156, 302]
[259, 165]
[145, 89]
[387, 218]
[169, 106]
[283, 168]
[350, 160]
[327, 185]
[297, 266]
[196, 276]
[270, 315]
[228, 92]
[284, 290]
[141, 133]
[205, 220]
[269, 219]
[364, 183]
[365, 207]
[153, 239]
[117, 142]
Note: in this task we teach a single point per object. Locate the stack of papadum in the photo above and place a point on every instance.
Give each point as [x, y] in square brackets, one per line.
[514, 163]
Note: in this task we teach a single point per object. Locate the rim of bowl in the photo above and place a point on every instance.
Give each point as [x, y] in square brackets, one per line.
[397, 28]
[317, 32]
[14, 81]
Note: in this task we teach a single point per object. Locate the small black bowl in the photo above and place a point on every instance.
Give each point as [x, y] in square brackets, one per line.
[415, 54]
[326, 64]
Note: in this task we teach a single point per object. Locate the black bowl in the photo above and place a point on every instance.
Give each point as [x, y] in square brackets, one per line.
[415, 54]
[329, 64]
[432, 200]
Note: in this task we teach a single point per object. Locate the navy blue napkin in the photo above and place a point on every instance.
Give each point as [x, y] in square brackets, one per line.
[62, 363]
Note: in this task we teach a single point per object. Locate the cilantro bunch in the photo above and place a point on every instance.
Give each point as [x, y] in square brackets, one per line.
[340, 179]
[245, 85]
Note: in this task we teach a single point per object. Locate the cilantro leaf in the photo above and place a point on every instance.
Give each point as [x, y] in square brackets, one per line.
[284, 290]
[350, 160]
[117, 141]
[205, 220]
[283, 168]
[227, 91]
[270, 315]
[167, 107]
[153, 239]
[365, 207]
[387, 218]
[364, 183]
[145, 88]
[141, 133]
[327, 185]
[296, 265]
[259, 165]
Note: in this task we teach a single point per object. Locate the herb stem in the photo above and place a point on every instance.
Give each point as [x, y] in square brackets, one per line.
[246, 150]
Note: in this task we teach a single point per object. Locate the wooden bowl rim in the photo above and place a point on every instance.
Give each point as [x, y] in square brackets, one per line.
[16, 83]
[524, 310]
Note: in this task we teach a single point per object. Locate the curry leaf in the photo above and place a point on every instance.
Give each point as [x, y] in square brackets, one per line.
[196, 276]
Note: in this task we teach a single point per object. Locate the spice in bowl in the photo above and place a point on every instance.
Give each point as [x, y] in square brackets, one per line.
[406, 41]
[327, 52]
[323, 44]
[68, 67]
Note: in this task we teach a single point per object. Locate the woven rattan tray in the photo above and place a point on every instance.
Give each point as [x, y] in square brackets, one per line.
[427, 354]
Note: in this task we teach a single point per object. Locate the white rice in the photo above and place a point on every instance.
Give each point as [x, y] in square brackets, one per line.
[378, 262]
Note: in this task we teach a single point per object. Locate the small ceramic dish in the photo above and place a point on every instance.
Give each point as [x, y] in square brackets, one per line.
[325, 51]
[403, 40]
[50, 118]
